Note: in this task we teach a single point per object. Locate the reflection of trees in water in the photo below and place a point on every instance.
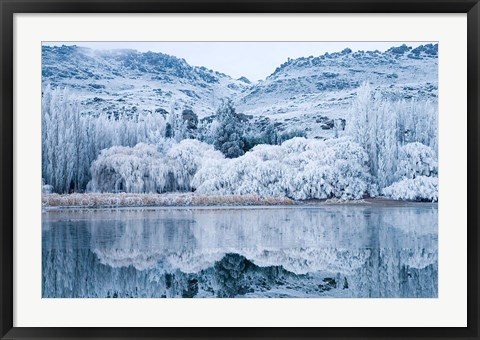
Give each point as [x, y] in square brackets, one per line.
[236, 276]
[359, 252]
[387, 274]
[230, 275]
[78, 273]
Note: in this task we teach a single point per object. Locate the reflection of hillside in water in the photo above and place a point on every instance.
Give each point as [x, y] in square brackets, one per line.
[351, 251]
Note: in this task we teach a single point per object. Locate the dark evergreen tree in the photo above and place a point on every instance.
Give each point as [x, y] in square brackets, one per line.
[270, 135]
[228, 138]
[168, 131]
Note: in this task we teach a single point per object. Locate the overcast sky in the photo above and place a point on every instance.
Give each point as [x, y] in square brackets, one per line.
[254, 60]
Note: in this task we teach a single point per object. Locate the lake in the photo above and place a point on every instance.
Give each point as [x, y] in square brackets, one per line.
[317, 251]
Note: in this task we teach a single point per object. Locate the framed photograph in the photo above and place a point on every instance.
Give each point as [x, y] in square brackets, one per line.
[239, 169]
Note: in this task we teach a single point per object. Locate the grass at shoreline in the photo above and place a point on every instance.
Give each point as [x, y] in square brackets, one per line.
[99, 200]
[148, 200]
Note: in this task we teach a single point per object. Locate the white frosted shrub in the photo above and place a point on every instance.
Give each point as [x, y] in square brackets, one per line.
[144, 168]
[249, 174]
[185, 159]
[299, 168]
[295, 145]
[416, 159]
[421, 188]
[347, 176]
[138, 169]
[269, 152]
[210, 178]
[315, 181]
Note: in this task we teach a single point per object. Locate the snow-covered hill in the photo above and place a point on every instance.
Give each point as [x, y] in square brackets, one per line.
[129, 81]
[305, 93]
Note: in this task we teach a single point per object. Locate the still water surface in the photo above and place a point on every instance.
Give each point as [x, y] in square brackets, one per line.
[301, 251]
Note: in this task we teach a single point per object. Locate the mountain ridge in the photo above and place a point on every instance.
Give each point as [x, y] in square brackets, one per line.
[298, 94]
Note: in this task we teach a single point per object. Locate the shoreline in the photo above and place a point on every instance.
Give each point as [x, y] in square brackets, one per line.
[122, 200]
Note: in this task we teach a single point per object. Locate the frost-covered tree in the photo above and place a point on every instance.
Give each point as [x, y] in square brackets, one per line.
[418, 122]
[168, 131]
[177, 127]
[382, 127]
[228, 138]
[63, 142]
[270, 135]
[72, 140]
[148, 168]
[138, 169]
[207, 130]
[417, 172]
[185, 158]
[299, 168]
[362, 116]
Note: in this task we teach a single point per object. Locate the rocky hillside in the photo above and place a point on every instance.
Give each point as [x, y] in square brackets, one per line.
[130, 81]
[306, 93]
[302, 92]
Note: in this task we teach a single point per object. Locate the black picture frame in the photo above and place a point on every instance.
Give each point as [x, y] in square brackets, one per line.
[9, 7]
